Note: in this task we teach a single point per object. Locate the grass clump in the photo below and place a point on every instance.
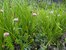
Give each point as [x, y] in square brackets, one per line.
[24, 26]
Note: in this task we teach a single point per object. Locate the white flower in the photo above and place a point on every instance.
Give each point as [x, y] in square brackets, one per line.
[1, 10]
[34, 14]
[6, 34]
[16, 19]
[52, 12]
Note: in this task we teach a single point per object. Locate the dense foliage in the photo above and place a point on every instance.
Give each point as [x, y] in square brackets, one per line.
[25, 26]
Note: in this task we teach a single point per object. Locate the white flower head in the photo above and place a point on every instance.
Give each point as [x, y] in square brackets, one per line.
[16, 19]
[34, 14]
[51, 11]
[1, 10]
[6, 34]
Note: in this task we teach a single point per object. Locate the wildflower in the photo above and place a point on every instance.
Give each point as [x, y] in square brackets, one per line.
[6, 34]
[1, 10]
[34, 14]
[52, 12]
[16, 19]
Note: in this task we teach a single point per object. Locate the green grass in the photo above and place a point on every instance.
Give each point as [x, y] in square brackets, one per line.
[44, 28]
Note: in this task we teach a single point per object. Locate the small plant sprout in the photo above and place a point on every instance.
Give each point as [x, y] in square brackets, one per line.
[16, 19]
[34, 14]
[6, 34]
